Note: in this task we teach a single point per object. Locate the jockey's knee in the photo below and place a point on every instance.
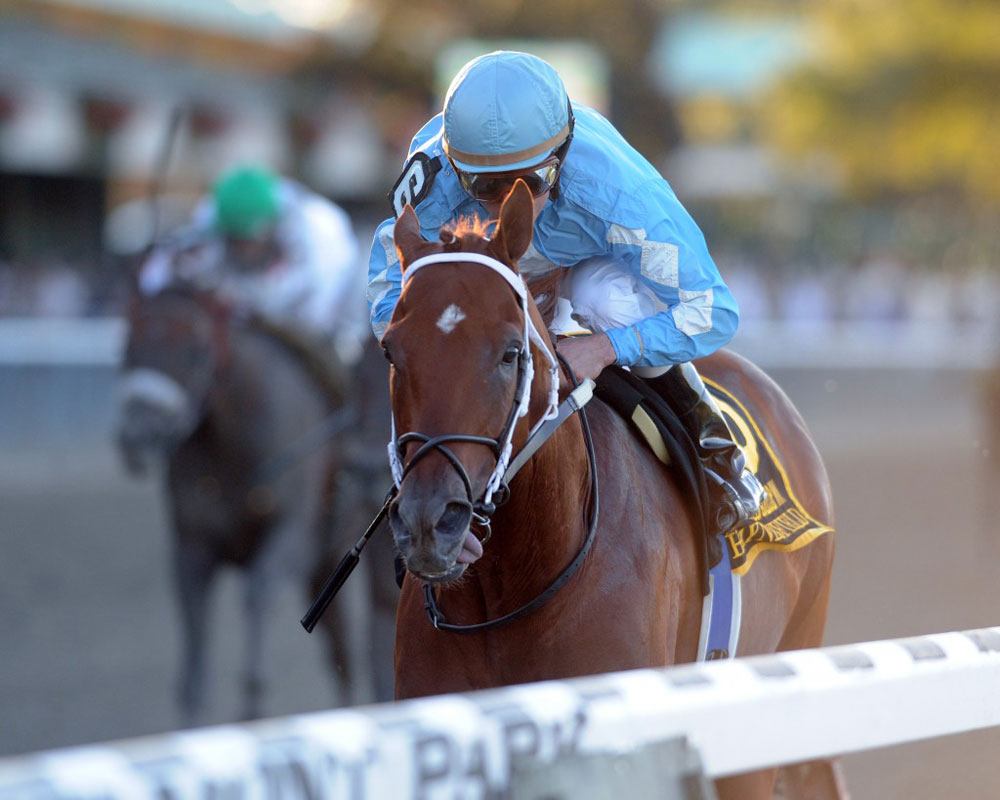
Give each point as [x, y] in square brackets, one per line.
[605, 295]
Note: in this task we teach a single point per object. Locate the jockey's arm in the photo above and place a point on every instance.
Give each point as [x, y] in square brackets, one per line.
[329, 251]
[384, 273]
[384, 278]
[699, 318]
[695, 314]
[189, 253]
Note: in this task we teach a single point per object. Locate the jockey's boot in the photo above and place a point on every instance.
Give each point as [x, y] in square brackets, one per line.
[734, 491]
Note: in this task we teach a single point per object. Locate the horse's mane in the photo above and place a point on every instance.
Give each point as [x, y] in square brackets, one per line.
[545, 289]
[179, 290]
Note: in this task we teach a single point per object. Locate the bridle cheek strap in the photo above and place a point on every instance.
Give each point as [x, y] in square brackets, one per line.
[522, 401]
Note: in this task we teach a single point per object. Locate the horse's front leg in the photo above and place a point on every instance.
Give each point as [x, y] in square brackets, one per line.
[750, 786]
[258, 589]
[194, 569]
[812, 780]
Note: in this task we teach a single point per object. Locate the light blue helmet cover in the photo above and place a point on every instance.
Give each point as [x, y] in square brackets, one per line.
[504, 111]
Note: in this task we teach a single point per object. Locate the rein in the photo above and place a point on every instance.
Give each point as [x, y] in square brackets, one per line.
[574, 402]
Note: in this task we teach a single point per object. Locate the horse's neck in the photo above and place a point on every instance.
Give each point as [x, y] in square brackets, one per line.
[255, 397]
[543, 524]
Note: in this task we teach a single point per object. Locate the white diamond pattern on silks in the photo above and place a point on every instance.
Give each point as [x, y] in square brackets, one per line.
[619, 234]
[533, 263]
[378, 287]
[385, 238]
[659, 261]
[693, 315]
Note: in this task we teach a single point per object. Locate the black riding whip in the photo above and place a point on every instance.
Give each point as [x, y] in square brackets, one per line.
[159, 178]
[344, 569]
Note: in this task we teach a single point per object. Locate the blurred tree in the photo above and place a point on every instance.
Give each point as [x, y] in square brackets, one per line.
[905, 94]
[411, 33]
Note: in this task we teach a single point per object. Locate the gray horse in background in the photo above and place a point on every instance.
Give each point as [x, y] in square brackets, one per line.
[251, 429]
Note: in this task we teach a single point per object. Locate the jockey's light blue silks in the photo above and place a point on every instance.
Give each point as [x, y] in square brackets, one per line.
[611, 203]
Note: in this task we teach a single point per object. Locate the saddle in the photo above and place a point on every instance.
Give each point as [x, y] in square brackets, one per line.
[781, 523]
[659, 426]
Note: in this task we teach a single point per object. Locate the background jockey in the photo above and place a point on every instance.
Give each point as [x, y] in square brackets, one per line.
[278, 249]
[642, 279]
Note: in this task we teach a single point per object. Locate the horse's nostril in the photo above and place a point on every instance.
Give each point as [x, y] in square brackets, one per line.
[400, 530]
[454, 519]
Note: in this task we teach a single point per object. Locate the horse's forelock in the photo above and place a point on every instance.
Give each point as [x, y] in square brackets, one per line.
[466, 226]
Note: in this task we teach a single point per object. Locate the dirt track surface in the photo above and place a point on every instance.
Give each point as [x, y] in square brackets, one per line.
[90, 639]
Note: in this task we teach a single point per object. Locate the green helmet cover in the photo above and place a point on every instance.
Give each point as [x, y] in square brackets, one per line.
[246, 202]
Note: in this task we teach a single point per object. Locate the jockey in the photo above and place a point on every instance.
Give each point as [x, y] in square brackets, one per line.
[278, 249]
[642, 280]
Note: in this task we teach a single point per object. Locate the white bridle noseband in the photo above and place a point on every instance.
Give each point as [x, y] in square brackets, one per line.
[523, 401]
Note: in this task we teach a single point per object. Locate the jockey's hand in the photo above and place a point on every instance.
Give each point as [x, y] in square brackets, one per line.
[587, 355]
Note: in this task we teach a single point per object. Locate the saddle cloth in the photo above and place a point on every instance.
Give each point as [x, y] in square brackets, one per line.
[782, 523]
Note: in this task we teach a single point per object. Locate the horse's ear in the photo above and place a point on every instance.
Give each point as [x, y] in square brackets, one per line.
[406, 235]
[517, 219]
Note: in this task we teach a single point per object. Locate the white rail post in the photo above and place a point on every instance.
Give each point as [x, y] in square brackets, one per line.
[667, 770]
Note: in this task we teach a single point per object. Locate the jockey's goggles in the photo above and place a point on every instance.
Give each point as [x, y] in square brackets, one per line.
[495, 186]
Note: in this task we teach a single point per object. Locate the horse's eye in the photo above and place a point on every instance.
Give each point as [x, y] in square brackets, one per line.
[387, 354]
[510, 356]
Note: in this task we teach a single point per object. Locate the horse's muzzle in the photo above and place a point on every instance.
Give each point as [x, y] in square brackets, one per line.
[430, 534]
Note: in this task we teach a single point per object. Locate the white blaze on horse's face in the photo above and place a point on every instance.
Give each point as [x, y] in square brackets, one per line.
[155, 413]
[451, 316]
[155, 389]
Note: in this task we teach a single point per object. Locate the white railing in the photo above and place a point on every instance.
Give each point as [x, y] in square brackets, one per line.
[61, 342]
[738, 715]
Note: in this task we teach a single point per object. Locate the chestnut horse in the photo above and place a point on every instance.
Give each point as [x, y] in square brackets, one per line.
[456, 341]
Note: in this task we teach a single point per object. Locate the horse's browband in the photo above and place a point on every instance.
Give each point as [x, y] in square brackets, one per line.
[515, 280]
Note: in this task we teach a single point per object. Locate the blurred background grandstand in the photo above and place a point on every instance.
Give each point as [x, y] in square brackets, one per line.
[840, 156]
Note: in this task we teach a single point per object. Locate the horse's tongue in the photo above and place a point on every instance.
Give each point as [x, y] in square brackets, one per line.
[472, 549]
